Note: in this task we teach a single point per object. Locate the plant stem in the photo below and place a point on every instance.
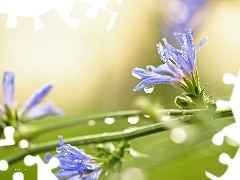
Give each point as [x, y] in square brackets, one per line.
[128, 134]
[49, 127]
[114, 136]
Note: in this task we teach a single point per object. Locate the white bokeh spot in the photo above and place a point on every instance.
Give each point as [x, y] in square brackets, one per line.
[177, 11]
[23, 144]
[178, 135]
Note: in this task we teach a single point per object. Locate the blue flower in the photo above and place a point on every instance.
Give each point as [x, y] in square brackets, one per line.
[183, 14]
[32, 109]
[75, 163]
[179, 68]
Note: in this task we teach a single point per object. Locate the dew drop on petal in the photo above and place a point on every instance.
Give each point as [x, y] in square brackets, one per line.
[149, 89]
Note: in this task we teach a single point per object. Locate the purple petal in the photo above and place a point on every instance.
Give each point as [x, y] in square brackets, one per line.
[173, 52]
[176, 56]
[154, 81]
[187, 48]
[60, 140]
[74, 163]
[191, 52]
[1, 110]
[142, 73]
[8, 88]
[74, 178]
[67, 174]
[202, 42]
[161, 69]
[162, 52]
[94, 175]
[175, 70]
[42, 110]
[37, 97]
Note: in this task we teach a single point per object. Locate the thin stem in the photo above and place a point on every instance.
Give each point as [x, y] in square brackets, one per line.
[101, 138]
[49, 127]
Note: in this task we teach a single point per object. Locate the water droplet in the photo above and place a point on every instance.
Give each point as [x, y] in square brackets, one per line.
[165, 118]
[109, 120]
[149, 89]
[133, 119]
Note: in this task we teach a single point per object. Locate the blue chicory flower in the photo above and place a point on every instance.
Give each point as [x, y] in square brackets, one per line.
[75, 164]
[31, 109]
[179, 68]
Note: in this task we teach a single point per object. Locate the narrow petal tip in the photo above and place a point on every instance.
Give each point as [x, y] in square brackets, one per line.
[8, 88]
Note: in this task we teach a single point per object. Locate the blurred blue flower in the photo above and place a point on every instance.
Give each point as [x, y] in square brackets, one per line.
[179, 68]
[31, 108]
[75, 164]
[185, 13]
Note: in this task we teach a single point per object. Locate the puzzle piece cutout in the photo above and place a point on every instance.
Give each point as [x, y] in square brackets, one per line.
[18, 176]
[36, 8]
[9, 140]
[3, 165]
[232, 172]
[230, 131]
[101, 4]
[44, 171]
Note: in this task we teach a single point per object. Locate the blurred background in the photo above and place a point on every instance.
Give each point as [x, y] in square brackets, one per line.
[91, 68]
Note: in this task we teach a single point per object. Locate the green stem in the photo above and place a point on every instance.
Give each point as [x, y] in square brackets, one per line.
[101, 138]
[49, 127]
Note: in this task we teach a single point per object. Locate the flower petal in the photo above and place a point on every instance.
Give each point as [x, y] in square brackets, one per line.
[162, 53]
[202, 42]
[151, 81]
[42, 110]
[161, 69]
[37, 97]
[8, 88]
[191, 52]
[175, 70]
[1, 110]
[67, 174]
[142, 73]
[94, 175]
[75, 163]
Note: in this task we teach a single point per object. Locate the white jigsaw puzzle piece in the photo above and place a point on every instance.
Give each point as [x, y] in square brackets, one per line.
[103, 5]
[3, 165]
[36, 8]
[232, 131]
[44, 171]
[232, 172]
[9, 134]
[18, 176]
